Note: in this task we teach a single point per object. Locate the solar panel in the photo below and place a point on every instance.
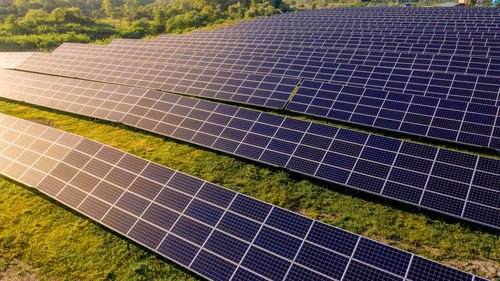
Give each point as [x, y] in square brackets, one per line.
[205, 233]
[392, 75]
[443, 119]
[254, 89]
[446, 119]
[446, 181]
[431, 62]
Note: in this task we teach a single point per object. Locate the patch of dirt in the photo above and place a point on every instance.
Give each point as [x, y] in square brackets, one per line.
[19, 271]
[43, 121]
[319, 216]
[487, 268]
[434, 251]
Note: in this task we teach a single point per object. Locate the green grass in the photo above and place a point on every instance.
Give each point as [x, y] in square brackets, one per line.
[65, 245]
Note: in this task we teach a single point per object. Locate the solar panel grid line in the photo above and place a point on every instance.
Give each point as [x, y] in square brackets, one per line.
[90, 192]
[300, 141]
[211, 232]
[497, 121]
[182, 213]
[408, 269]
[19, 155]
[50, 147]
[298, 251]
[427, 180]
[470, 185]
[324, 156]
[393, 164]
[252, 243]
[356, 161]
[22, 175]
[350, 258]
[368, 161]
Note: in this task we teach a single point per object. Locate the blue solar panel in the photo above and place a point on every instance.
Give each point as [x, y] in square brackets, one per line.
[280, 245]
[457, 121]
[423, 175]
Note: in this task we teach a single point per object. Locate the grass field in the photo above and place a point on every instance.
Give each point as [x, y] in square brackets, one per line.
[61, 244]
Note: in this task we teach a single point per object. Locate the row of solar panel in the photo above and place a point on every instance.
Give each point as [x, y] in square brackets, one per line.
[322, 41]
[388, 29]
[458, 87]
[432, 84]
[319, 52]
[342, 36]
[303, 53]
[474, 124]
[376, 25]
[435, 63]
[413, 36]
[461, 122]
[255, 89]
[394, 11]
[489, 52]
[324, 33]
[272, 91]
[323, 44]
[450, 182]
[213, 231]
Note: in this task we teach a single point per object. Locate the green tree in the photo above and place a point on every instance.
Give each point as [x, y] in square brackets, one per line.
[71, 15]
[138, 29]
[236, 11]
[159, 21]
[36, 15]
[209, 12]
[130, 9]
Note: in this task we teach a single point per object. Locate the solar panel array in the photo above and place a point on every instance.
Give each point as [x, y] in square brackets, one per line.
[305, 67]
[453, 183]
[431, 72]
[422, 73]
[213, 231]
[424, 116]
